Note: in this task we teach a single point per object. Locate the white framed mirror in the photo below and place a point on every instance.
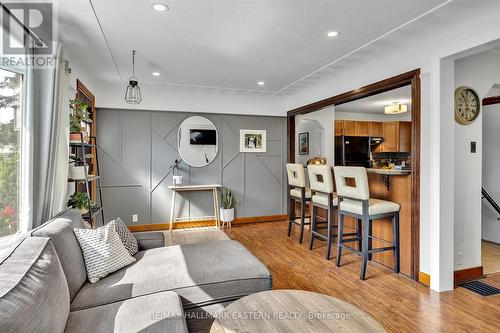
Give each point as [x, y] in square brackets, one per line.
[197, 141]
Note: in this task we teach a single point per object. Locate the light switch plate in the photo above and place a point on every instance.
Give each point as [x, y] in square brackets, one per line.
[135, 218]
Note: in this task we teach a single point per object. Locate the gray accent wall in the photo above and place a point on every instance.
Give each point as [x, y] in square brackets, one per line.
[138, 147]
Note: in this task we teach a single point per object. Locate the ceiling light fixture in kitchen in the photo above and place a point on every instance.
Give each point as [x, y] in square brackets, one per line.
[396, 108]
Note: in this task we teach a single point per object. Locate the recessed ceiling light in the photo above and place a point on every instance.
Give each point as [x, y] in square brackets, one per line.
[261, 83]
[159, 7]
[332, 34]
[156, 74]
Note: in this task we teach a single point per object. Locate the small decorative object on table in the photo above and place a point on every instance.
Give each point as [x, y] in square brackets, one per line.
[80, 201]
[176, 179]
[227, 209]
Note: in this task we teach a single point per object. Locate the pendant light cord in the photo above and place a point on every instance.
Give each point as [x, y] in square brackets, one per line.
[133, 63]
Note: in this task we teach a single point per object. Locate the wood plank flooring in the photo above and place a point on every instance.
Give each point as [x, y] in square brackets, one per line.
[396, 302]
[490, 257]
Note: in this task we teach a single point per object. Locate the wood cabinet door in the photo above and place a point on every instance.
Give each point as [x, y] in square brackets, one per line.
[405, 137]
[361, 128]
[349, 128]
[375, 128]
[390, 132]
[339, 127]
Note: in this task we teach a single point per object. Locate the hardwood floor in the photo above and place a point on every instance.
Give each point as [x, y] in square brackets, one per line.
[490, 257]
[396, 302]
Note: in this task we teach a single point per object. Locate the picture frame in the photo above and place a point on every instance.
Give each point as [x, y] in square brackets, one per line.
[303, 143]
[253, 141]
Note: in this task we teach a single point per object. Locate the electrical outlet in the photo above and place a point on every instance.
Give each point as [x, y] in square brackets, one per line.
[460, 257]
[135, 218]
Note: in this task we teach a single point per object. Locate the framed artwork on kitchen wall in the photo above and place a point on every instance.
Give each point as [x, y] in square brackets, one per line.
[304, 143]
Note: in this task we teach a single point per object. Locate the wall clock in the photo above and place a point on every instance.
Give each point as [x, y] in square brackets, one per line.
[467, 105]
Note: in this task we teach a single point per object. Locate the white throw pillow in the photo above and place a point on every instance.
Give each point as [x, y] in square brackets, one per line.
[103, 251]
[128, 239]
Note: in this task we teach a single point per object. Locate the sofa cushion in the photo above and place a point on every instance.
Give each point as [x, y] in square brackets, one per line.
[149, 240]
[60, 231]
[34, 294]
[103, 251]
[203, 273]
[160, 312]
[126, 237]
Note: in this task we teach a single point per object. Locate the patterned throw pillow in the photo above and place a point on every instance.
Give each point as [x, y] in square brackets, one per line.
[128, 239]
[103, 251]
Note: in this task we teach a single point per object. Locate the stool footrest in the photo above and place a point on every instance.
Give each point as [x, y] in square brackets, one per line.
[382, 249]
[381, 240]
[358, 252]
[350, 240]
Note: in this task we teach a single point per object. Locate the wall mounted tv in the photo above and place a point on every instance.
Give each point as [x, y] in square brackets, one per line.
[202, 137]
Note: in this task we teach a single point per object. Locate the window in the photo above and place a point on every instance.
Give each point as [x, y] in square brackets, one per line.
[11, 113]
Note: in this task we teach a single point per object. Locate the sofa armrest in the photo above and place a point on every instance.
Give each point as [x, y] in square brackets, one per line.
[149, 240]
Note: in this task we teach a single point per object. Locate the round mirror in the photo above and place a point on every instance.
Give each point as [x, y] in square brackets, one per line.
[197, 141]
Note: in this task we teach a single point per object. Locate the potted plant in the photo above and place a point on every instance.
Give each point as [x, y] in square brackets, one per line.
[228, 205]
[80, 201]
[78, 117]
[77, 169]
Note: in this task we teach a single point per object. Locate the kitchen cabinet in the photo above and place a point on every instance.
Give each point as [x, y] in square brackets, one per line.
[361, 128]
[349, 127]
[397, 136]
[339, 127]
[375, 128]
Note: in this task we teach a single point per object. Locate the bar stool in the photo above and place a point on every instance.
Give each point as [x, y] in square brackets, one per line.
[355, 201]
[321, 181]
[297, 182]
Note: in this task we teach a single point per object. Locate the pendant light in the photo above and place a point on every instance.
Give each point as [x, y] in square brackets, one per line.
[133, 93]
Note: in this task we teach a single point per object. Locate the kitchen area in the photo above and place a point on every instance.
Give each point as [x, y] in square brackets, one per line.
[376, 133]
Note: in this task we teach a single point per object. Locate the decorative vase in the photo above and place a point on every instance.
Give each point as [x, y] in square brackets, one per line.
[227, 216]
[75, 138]
[177, 179]
[78, 172]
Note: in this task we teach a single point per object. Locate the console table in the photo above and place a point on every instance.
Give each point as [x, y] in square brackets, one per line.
[293, 311]
[190, 188]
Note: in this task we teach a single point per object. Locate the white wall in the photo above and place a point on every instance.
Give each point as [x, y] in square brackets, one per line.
[490, 226]
[422, 44]
[481, 72]
[310, 121]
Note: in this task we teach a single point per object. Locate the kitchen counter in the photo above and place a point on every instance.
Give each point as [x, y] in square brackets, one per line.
[389, 172]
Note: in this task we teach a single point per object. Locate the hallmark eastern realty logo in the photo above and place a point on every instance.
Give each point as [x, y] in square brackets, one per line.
[28, 34]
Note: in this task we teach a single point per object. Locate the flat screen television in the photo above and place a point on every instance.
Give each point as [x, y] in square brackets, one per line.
[202, 137]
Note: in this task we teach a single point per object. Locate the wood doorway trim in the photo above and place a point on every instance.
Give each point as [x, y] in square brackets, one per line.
[411, 78]
[491, 100]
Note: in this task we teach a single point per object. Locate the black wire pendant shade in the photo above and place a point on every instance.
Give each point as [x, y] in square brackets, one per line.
[133, 93]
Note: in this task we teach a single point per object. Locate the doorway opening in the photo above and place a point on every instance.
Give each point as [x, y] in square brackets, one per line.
[410, 82]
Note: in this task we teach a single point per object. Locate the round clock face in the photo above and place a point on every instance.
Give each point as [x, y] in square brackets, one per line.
[467, 105]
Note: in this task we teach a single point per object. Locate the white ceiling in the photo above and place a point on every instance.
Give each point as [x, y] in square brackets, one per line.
[224, 43]
[375, 104]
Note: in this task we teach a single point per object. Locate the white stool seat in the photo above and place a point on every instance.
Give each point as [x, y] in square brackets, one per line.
[375, 206]
[322, 199]
[295, 192]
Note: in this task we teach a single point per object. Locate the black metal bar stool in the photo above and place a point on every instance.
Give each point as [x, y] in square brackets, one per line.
[355, 201]
[299, 191]
[321, 182]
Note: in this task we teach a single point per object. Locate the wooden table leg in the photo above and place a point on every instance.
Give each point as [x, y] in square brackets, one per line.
[172, 211]
[216, 207]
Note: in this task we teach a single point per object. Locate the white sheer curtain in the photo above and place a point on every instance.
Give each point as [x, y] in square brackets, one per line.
[50, 140]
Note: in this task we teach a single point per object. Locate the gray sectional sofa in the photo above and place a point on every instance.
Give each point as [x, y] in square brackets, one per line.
[44, 287]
